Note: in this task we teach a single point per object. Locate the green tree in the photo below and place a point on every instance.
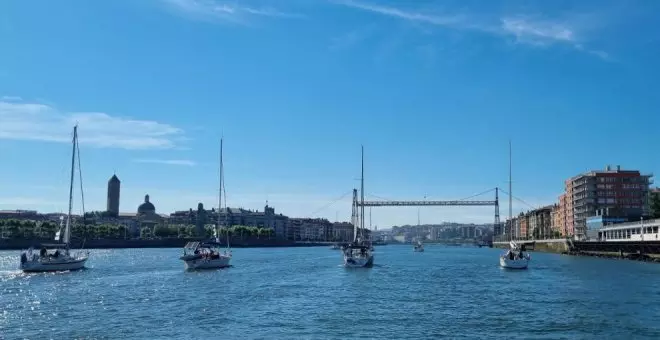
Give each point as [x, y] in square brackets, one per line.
[655, 204]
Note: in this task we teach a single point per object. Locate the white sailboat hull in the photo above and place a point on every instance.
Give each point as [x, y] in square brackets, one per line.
[222, 262]
[517, 263]
[54, 265]
[358, 262]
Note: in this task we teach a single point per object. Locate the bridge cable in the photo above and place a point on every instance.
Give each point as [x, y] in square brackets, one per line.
[382, 198]
[519, 200]
[479, 194]
[331, 203]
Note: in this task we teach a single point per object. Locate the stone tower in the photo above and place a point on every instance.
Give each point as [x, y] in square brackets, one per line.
[113, 196]
[200, 220]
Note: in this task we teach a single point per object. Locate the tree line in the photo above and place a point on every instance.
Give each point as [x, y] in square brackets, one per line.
[45, 230]
[655, 204]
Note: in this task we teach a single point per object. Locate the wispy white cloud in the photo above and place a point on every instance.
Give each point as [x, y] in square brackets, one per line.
[352, 38]
[544, 33]
[183, 162]
[225, 10]
[441, 20]
[525, 30]
[537, 33]
[40, 122]
[10, 98]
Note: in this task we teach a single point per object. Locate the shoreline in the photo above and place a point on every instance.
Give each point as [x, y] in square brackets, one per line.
[633, 251]
[21, 244]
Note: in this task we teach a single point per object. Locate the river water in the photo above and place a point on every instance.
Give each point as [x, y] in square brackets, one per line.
[304, 293]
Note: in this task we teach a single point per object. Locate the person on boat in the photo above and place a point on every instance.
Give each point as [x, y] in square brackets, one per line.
[43, 252]
[511, 255]
[57, 253]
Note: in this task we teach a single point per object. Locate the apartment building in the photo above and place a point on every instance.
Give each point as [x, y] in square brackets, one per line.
[626, 191]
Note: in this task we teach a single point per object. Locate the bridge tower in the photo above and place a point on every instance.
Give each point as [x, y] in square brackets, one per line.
[496, 223]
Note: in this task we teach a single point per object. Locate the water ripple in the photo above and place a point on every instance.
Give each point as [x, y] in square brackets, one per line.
[303, 293]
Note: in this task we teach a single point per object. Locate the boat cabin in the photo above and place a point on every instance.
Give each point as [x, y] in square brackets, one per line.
[202, 249]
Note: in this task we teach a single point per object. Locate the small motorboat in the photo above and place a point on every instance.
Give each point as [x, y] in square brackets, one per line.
[419, 247]
[515, 257]
[334, 247]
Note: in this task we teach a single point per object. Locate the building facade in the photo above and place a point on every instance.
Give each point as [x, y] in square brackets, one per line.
[626, 191]
[524, 226]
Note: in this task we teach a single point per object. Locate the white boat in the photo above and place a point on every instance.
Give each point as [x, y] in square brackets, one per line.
[334, 247]
[207, 255]
[58, 257]
[419, 247]
[359, 253]
[515, 257]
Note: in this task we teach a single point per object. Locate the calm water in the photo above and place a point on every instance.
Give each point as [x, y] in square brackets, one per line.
[292, 293]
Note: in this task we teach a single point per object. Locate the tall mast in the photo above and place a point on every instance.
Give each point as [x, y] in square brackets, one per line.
[362, 192]
[510, 197]
[217, 228]
[67, 229]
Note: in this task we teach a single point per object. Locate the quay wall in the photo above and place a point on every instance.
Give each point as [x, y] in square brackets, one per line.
[549, 246]
[648, 251]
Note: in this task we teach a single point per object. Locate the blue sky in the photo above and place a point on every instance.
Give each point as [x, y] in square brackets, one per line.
[433, 89]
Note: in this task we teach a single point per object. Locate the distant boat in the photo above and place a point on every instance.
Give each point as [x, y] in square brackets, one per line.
[334, 247]
[359, 253]
[207, 255]
[58, 257]
[515, 257]
[419, 247]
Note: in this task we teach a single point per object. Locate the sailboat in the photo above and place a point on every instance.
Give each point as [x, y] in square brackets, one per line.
[58, 257]
[208, 255]
[419, 247]
[359, 253]
[514, 257]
